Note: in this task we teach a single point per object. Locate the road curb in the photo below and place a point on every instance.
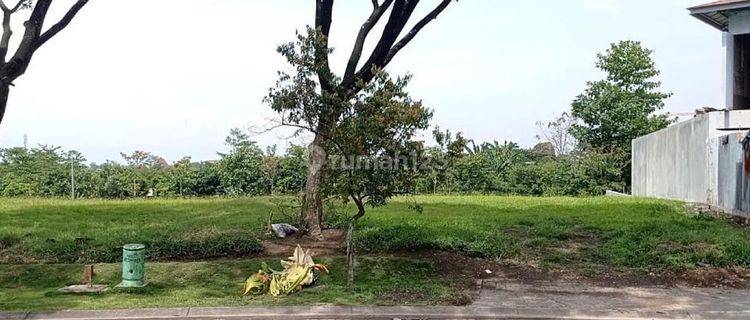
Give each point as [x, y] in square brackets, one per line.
[342, 312]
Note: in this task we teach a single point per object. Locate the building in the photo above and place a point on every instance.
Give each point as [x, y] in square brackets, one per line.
[707, 159]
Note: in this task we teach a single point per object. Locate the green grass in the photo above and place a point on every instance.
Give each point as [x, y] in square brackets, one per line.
[379, 281]
[612, 232]
[624, 233]
[62, 231]
[629, 235]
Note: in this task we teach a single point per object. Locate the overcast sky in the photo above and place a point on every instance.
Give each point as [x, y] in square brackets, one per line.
[174, 76]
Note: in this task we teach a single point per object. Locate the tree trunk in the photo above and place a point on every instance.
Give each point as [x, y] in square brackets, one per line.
[4, 91]
[350, 256]
[350, 242]
[312, 209]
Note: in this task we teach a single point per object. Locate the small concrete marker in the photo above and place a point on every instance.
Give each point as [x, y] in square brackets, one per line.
[88, 286]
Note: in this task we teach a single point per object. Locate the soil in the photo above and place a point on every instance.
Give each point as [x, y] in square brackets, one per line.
[333, 244]
[467, 273]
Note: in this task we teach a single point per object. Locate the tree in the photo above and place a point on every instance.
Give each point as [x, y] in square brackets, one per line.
[314, 99]
[623, 106]
[143, 170]
[558, 134]
[242, 168]
[485, 166]
[374, 156]
[33, 39]
[181, 172]
[292, 170]
[443, 157]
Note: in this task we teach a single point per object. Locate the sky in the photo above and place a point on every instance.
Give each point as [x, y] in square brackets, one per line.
[172, 77]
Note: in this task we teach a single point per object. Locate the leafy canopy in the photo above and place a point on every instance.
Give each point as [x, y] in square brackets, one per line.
[374, 124]
[624, 105]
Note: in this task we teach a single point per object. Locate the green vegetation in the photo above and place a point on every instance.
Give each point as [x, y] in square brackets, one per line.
[204, 284]
[609, 232]
[598, 235]
[62, 231]
[629, 234]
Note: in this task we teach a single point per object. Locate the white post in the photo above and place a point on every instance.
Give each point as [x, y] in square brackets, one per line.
[729, 70]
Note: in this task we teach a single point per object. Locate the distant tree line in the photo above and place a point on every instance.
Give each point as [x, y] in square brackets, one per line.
[244, 170]
[583, 152]
[247, 170]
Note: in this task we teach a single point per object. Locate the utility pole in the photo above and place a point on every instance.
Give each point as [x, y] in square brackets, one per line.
[72, 182]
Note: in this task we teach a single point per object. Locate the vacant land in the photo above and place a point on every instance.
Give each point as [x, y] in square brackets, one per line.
[219, 283]
[614, 232]
[631, 237]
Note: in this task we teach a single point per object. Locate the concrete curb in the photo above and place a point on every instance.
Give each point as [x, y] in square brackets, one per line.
[340, 312]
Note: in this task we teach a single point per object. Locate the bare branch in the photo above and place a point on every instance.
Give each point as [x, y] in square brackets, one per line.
[18, 5]
[7, 33]
[28, 45]
[323, 20]
[402, 10]
[359, 44]
[413, 32]
[375, 4]
[59, 26]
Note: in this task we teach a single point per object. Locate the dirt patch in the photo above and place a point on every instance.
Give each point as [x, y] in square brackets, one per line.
[732, 277]
[333, 243]
[704, 277]
[404, 296]
[467, 274]
[577, 243]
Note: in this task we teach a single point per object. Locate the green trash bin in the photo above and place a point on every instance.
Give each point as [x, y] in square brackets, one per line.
[133, 266]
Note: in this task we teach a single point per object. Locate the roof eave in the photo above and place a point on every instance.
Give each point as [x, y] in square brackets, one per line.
[717, 15]
[703, 17]
[719, 7]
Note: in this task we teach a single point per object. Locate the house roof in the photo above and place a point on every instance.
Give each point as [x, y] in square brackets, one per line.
[717, 13]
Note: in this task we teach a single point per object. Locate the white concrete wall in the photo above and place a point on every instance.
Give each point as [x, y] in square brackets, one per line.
[674, 163]
[695, 161]
[739, 23]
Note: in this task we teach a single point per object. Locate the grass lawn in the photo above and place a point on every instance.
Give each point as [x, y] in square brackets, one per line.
[380, 281]
[629, 235]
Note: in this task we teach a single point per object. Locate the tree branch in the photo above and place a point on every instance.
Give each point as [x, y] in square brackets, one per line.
[360, 207]
[28, 45]
[18, 5]
[59, 26]
[400, 14]
[15, 8]
[377, 13]
[7, 33]
[413, 32]
[323, 20]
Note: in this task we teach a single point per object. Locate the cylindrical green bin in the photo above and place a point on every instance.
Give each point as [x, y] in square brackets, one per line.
[133, 266]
